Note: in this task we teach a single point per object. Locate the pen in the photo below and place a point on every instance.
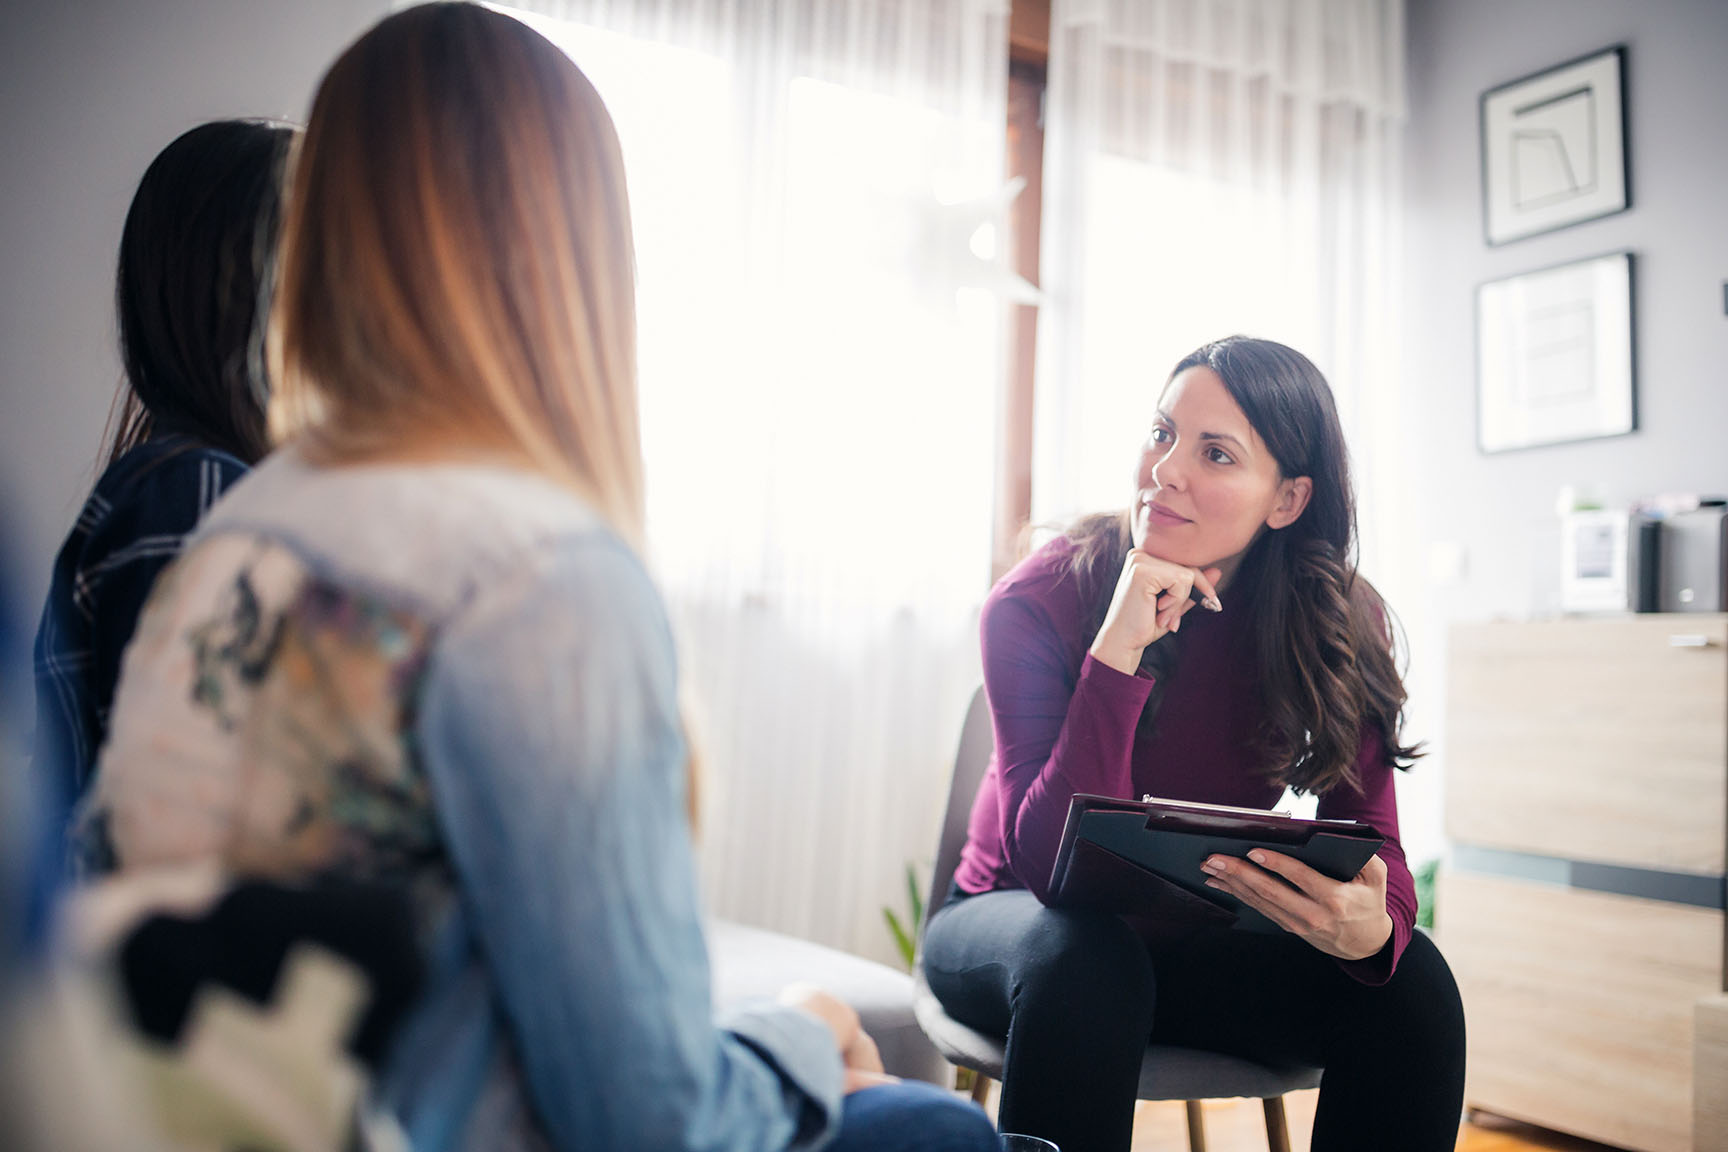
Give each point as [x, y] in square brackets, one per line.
[1205, 601]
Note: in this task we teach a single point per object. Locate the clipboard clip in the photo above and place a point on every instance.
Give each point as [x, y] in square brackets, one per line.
[1148, 798]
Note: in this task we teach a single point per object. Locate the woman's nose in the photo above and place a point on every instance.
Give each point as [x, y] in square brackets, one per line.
[1165, 471]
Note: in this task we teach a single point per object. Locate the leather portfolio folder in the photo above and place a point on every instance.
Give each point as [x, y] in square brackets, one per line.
[1142, 858]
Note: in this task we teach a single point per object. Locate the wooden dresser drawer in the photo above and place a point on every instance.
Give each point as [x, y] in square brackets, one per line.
[1591, 740]
[1579, 1005]
[1710, 1075]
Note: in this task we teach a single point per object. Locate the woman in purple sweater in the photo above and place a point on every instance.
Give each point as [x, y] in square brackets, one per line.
[1104, 678]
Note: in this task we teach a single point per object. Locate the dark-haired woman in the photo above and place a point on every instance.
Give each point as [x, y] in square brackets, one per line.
[191, 416]
[1104, 677]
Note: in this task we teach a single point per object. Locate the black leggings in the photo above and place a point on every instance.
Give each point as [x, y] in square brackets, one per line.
[1078, 994]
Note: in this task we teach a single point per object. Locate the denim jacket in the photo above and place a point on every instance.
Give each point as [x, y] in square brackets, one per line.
[457, 678]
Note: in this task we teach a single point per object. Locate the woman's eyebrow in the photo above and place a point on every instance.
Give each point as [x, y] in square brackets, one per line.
[1240, 447]
[1165, 418]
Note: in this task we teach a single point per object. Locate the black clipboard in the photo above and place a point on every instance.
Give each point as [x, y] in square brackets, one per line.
[1142, 858]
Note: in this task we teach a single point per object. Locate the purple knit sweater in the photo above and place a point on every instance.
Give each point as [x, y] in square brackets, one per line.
[1067, 723]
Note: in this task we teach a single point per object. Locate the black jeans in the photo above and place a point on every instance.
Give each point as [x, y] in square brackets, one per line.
[1078, 995]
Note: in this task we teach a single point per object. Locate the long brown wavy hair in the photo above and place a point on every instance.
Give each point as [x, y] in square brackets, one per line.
[1323, 640]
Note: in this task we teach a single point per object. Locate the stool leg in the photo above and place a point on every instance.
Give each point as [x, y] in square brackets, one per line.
[980, 1088]
[1196, 1127]
[1277, 1130]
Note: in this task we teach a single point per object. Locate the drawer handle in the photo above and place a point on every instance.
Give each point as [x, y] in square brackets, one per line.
[1690, 640]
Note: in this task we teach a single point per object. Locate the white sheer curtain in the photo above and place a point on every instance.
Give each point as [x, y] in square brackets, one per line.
[817, 196]
[1211, 167]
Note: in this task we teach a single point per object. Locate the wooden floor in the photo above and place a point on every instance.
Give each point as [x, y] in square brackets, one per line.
[1240, 1126]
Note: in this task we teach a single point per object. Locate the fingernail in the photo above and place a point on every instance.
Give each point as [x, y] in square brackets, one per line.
[1176, 624]
[1211, 865]
[1211, 604]
[1257, 856]
[1214, 884]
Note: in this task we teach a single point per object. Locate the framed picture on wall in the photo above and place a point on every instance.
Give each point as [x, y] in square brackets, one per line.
[1554, 355]
[1554, 148]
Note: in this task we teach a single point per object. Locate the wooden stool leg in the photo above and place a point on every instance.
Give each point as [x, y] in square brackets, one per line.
[980, 1088]
[1277, 1130]
[1196, 1127]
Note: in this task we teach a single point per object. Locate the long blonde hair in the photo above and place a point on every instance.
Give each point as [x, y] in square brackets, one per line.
[456, 270]
[456, 267]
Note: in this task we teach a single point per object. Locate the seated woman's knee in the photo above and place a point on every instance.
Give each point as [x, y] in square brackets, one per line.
[1086, 952]
[1422, 999]
[913, 1117]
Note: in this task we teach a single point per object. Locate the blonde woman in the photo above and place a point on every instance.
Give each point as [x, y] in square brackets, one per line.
[418, 645]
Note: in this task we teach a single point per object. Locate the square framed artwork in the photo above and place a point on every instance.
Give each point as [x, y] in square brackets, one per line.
[1554, 357]
[1554, 148]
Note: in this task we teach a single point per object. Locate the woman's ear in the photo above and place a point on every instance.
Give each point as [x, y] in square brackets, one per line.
[1293, 497]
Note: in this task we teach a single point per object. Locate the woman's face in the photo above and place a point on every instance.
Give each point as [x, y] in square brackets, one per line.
[1207, 483]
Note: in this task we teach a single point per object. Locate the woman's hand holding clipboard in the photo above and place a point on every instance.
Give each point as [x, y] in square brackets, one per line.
[1178, 866]
[1342, 918]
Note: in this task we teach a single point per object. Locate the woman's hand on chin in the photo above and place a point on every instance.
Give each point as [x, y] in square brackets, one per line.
[1342, 918]
[1152, 596]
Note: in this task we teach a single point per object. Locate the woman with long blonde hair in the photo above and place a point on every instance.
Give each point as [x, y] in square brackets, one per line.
[418, 645]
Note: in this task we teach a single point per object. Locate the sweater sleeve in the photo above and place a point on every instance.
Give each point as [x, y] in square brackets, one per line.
[1376, 803]
[1056, 733]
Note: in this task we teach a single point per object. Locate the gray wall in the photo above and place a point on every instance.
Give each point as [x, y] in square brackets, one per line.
[1499, 510]
[91, 91]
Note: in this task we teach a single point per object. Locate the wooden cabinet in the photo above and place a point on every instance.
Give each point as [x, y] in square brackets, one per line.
[1710, 1076]
[1582, 908]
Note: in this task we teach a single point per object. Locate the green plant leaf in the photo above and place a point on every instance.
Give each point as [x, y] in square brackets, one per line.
[917, 900]
[902, 941]
[1424, 880]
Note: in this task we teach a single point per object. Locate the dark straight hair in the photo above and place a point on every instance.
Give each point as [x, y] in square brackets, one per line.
[1323, 640]
[191, 286]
